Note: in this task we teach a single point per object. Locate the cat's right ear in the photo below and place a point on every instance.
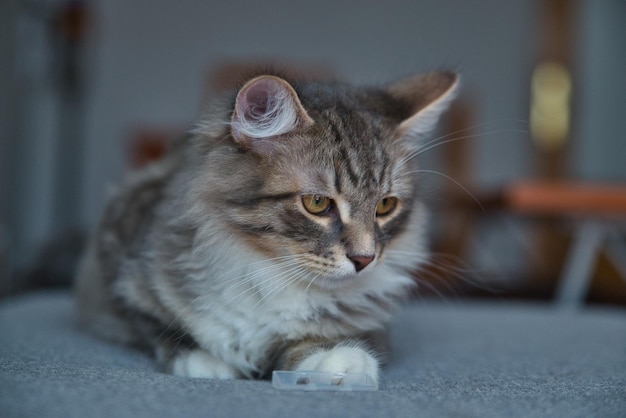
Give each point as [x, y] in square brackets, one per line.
[266, 107]
[426, 96]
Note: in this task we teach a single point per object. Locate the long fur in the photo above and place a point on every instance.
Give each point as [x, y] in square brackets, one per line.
[210, 259]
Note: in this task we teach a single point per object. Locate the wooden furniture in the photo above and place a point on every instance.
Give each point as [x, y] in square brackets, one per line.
[599, 215]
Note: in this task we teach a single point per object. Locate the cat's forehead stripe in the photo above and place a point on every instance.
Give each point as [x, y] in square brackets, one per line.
[361, 159]
[346, 164]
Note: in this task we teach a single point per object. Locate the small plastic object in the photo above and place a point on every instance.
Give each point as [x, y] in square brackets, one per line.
[309, 380]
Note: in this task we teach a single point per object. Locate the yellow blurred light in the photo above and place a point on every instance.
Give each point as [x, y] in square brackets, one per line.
[551, 89]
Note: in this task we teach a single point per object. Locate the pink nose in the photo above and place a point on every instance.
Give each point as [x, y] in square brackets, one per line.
[361, 261]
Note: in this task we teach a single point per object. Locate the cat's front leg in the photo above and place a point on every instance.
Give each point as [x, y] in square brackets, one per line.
[362, 355]
[198, 363]
[342, 359]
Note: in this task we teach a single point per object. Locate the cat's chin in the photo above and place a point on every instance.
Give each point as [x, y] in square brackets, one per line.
[338, 280]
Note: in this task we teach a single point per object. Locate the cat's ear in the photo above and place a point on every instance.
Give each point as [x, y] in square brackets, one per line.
[427, 97]
[266, 107]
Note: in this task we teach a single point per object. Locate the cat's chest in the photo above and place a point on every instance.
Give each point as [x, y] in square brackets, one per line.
[289, 316]
[246, 323]
[248, 335]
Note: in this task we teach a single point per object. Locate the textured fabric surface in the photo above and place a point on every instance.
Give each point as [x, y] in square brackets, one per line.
[450, 360]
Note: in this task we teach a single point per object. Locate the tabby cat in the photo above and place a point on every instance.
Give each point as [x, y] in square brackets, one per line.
[279, 234]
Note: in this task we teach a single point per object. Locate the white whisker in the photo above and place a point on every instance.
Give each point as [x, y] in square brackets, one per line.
[256, 289]
[422, 282]
[282, 284]
[251, 276]
[311, 282]
[447, 264]
[282, 259]
[437, 142]
[475, 127]
[286, 261]
[470, 194]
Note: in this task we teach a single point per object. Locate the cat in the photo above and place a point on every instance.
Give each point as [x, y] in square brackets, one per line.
[280, 234]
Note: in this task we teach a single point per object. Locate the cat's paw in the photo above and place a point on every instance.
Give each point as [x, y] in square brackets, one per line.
[200, 364]
[342, 359]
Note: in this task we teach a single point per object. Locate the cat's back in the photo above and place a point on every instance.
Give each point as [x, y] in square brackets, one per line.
[121, 237]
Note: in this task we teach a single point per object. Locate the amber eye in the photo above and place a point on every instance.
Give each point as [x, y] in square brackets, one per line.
[316, 204]
[386, 206]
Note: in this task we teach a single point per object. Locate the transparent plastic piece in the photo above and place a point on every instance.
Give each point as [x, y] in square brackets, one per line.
[304, 380]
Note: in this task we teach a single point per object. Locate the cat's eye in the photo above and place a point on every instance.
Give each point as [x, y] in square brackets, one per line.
[317, 204]
[386, 206]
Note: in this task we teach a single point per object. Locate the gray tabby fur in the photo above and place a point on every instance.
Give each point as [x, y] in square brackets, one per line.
[210, 259]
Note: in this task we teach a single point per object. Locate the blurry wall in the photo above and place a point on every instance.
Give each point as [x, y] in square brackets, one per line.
[600, 148]
[7, 115]
[153, 58]
[148, 62]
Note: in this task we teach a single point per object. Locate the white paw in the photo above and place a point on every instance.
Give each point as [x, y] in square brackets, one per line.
[199, 363]
[342, 359]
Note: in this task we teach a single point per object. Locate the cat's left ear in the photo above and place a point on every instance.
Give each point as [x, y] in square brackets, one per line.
[266, 107]
[427, 97]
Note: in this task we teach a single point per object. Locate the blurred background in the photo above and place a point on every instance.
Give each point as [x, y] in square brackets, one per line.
[527, 181]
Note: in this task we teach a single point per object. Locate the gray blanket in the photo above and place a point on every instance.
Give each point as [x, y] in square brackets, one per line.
[450, 359]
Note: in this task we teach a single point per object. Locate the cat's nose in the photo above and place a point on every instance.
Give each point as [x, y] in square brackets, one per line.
[361, 261]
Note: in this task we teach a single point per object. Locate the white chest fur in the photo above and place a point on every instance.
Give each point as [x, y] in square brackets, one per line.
[239, 313]
[240, 330]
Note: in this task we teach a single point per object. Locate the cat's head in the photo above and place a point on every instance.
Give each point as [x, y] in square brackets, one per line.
[321, 177]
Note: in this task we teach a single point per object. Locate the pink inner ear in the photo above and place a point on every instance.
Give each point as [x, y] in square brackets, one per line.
[265, 107]
[255, 101]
